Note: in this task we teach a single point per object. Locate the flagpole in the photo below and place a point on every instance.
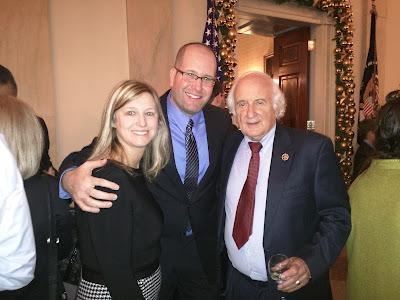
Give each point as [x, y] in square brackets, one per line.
[369, 90]
[373, 9]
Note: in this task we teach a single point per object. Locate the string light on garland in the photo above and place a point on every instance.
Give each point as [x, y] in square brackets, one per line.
[226, 21]
[341, 12]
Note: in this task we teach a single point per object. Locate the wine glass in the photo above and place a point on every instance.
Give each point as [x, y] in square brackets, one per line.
[276, 268]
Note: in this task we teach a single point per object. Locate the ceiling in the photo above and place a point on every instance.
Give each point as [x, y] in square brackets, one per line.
[248, 23]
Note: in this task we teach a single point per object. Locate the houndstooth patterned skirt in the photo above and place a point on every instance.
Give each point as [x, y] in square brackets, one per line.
[150, 287]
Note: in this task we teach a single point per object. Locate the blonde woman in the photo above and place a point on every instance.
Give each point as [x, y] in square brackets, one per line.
[120, 246]
[23, 133]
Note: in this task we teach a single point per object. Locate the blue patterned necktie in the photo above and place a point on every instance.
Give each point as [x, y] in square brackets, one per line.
[192, 162]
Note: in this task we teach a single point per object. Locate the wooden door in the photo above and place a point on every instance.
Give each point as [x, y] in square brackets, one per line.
[290, 69]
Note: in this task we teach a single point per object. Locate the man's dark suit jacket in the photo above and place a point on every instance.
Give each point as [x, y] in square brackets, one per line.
[169, 192]
[307, 212]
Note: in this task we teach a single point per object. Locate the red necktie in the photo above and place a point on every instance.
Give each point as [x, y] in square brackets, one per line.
[243, 226]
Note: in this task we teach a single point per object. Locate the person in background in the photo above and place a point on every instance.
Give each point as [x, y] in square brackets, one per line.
[8, 86]
[185, 190]
[299, 199]
[24, 135]
[373, 244]
[17, 243]
[366, 150]
[217, 99]
[393, 96]
[120, 246]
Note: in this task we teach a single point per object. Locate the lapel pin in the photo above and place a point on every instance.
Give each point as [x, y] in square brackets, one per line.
[285, 156]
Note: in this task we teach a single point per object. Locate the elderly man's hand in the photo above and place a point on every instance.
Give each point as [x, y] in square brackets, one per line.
[297, 276]
[79, 183]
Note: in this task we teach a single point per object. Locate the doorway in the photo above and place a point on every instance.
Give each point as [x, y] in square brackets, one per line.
[290, 69]
[260, 21]
[285, 58]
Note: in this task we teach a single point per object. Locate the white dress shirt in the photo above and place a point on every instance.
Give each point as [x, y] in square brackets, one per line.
[250, 259]
[17, 243]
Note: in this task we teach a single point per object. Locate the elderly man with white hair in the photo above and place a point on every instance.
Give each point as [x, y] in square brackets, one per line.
[282, 193]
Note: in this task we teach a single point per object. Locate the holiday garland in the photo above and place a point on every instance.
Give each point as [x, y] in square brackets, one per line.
[341, 12]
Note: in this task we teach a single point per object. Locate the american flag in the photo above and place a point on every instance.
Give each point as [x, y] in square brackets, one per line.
[367, 108]
[210, 36]
[369, 91]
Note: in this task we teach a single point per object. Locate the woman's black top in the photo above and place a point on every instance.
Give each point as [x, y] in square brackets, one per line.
[121, 244]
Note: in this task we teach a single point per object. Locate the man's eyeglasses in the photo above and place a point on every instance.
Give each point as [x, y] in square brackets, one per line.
[190, 77]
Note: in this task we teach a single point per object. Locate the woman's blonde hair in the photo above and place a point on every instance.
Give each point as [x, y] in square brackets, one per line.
[23, 133]
[157, 152]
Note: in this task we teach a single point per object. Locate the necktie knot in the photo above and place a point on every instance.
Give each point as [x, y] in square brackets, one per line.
[189, 126]
[255, 147]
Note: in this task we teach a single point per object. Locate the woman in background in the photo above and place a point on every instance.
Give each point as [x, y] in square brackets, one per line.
[374, 242]
[120, 246]
[23, 133]
[8, 86]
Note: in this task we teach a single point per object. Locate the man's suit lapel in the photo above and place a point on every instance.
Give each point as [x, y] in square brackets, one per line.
[282, 155]
[229, 153]
[170, 168]
[211, 141]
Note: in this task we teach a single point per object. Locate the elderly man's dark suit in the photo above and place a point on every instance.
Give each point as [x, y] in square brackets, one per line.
[307, 212]
[169, 192]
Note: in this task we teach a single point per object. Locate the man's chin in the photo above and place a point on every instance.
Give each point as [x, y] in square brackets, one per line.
[194, 108]
[253, 135]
